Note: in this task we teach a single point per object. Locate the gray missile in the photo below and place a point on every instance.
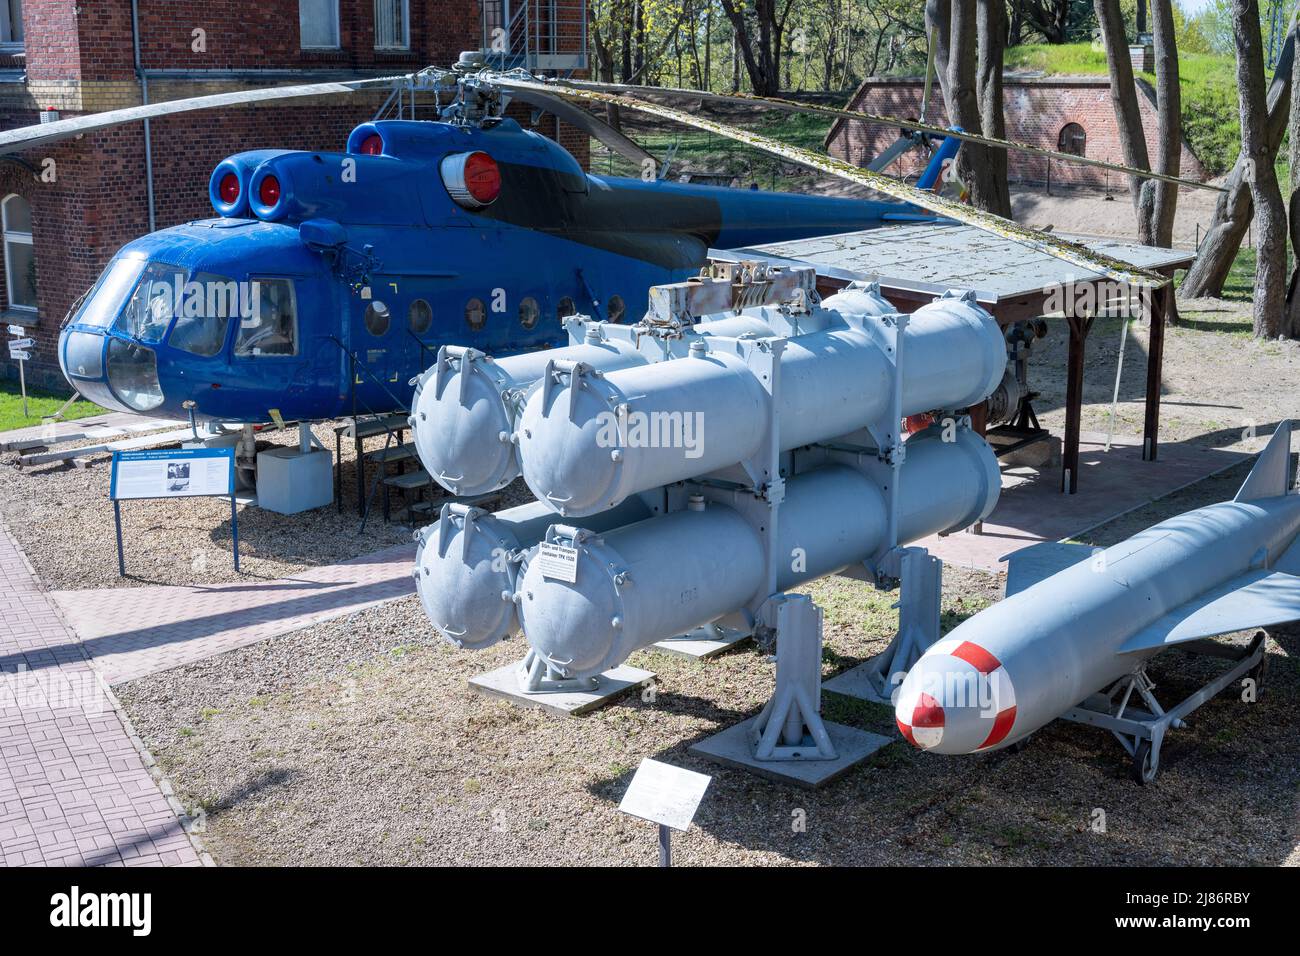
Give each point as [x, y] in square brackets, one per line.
[1071, 627]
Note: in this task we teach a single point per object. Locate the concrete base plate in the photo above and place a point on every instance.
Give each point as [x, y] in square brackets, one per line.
[701, 643]
[732, 748]
[504, 683]
[856, 682]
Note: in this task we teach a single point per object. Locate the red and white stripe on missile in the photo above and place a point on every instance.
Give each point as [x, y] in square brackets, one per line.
[957, 669]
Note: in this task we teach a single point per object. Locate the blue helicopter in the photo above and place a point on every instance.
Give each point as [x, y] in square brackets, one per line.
[329, 280]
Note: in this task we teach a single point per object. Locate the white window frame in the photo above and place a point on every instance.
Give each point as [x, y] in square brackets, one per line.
[338, 30]
[7, 42]
[10, 237]
[405, 41]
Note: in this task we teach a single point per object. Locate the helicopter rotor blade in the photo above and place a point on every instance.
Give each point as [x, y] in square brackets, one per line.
[25, 137]
[790, 106]
[1072, 252]
[594, 126]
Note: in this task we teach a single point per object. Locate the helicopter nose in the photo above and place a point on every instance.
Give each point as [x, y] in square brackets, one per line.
[957, 699]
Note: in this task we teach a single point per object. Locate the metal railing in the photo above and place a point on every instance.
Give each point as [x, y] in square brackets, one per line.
[535, 34]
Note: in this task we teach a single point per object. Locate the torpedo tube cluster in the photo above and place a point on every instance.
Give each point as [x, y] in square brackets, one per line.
[639, 450]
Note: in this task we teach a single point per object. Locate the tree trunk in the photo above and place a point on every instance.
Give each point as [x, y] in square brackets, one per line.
[1292, 320]
[976, 164]
[938, 24]
[1123, 94]
[1164, 201]
[992, 16]
[1270, 215]
[1232, 212]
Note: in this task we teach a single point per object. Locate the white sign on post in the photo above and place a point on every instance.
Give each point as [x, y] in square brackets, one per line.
[664, 794]
[17, 330]
[19, 356]
[21, 344]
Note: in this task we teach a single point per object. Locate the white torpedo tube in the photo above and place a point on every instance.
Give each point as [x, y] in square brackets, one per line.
[649, 581]
[589, 438]
[466, 563]
[464, 414]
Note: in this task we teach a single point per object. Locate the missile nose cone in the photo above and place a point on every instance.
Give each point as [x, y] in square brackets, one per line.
[924, 727]
[957, 699]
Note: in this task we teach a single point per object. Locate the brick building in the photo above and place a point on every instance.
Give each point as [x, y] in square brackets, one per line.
[1072, 114]
[67, 207]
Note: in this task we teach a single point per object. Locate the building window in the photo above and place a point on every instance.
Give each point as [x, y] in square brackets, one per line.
[318, 22]
[20, 255]
[1072, 139]
[11, 25]
[392, 25]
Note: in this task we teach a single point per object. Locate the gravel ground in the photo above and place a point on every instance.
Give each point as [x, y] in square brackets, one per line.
[63, 519]
[1206, 400]
[358, 742]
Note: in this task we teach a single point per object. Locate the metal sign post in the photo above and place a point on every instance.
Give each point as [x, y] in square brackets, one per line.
[666, 795]
[18, 353]
[178, 473]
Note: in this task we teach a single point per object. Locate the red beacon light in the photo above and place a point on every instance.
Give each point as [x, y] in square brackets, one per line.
[473, 180]
[372, 145]
[269, 191]
[229, 189]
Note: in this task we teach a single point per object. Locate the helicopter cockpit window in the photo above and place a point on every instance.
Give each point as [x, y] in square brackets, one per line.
[153, 302]
[204, 316]
[103, 305]
[272, 329]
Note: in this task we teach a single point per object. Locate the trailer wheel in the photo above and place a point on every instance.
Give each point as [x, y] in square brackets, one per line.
[1258, 673]
[1146, 763]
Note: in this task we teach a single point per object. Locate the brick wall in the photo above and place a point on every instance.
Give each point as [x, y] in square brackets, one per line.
[1036, 110]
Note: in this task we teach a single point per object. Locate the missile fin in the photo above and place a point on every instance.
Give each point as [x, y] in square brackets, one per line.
[1271, 476]
[1038, 562]
[1255, 599]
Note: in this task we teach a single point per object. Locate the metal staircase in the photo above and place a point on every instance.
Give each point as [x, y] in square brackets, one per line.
[535, 34]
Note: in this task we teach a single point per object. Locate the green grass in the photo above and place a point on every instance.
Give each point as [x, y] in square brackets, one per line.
[39, 404]
[1208, 84]
[704, 152]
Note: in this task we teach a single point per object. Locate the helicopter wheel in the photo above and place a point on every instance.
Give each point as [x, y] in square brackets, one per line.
[1146, 763]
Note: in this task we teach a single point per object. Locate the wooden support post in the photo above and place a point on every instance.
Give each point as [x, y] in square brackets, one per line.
[1079, 328]
[1160, 302]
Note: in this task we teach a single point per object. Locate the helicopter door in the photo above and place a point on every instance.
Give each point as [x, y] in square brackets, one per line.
[268, 341]
[382, 344]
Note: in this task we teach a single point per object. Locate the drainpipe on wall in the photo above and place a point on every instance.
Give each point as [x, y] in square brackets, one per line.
[144, 101]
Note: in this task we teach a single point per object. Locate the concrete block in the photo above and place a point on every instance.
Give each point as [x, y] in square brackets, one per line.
[289, 481]
[732, 748]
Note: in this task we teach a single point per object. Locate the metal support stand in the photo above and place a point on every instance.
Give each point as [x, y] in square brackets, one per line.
[788, 741]
[531, 683]
[920, 593]
[1141, 732]
[703, 642]
[790, 725]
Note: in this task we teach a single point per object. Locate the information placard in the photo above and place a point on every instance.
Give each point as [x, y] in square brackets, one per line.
[175, 473]
[664, 794]
[558, 562]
